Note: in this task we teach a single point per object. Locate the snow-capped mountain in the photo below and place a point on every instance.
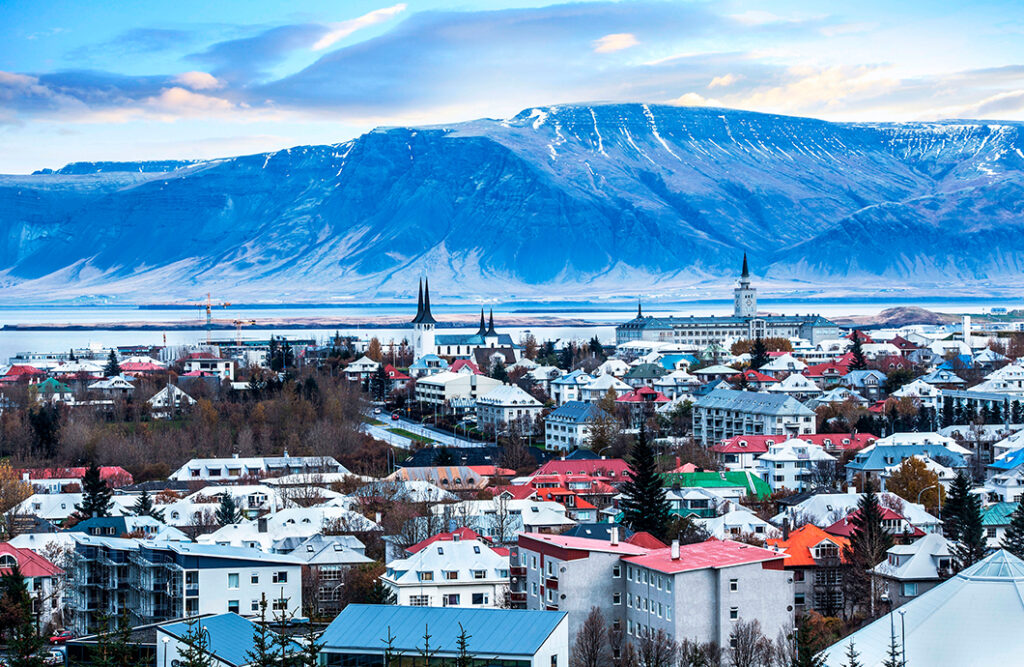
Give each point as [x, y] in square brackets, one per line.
[571, 200]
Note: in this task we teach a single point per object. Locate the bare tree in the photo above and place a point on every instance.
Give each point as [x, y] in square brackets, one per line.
[748, 647]
[656, 649]
[591, 647]
[700, 654]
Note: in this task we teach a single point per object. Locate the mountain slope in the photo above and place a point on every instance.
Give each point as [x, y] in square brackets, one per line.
[570, 200]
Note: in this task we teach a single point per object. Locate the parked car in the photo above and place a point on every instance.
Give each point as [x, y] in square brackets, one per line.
[62, 637]
[53, 658]
[376, 411]
[395, 417]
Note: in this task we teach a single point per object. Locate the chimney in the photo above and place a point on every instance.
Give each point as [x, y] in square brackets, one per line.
[614, 535]
[677, 462]
[376, 517]
[785, 529]
[261, 524]
[675, 549]
[234, 455]
[851, 489]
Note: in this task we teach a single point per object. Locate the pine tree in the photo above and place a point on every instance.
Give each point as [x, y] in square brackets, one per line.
[262, 652]
[867, 547]
[284, 647]
[116, 648]
[228, 511]
[1016, 413]
[112, 368]
[96, 495]
[391, 655]
[463, 657]
[23, 644]
[851, 656]
[644, 506]
[971, 546]
[758, 353]
[956, 504]
[379, 593]
[309, 656]
[947, 411]
[893, 658]
[859, 363]
[144, 507]
[1013, 538]
[498, 372]
[805, 653]
[194, 648]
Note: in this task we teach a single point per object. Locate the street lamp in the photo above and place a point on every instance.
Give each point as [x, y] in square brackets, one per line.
[166, 641]
[938, 487]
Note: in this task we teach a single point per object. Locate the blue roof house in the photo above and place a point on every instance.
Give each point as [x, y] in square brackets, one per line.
[873, 462]
[511, 637]
[230, 640]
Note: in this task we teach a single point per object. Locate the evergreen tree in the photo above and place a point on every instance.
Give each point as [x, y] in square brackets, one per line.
[859, 362]
[947, 411]
[112, 368]
[391, 655]
[262, 652]
[758, 353]
[1013, 538]
[498, 372]
[71, 355]
[645, 506]
[115, 648]
[379, 593]
[805, 650]
[867, 547]
[956, 505]
[380, 384]
[284, 647]
[96, 494]
[18, 627]
[1016, 413]
[463, 658]
[597, 349]
[851, 656]
[144, 507]
[309, 656]
[970, 548]
[194, 648]
[228, 511]
[566, 357]
[893, 657]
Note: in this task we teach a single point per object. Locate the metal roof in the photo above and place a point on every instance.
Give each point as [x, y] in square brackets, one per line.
[361, 628]
[231, 636]
[753, 402]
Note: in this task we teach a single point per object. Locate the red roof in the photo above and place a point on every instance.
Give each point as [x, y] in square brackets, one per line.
[752, 376]
[614, 469]
[645, 540]
[30, 564]
[846, 359]
[863, 337]
[142, 367]
[459, 364]
[714, 554]
[517, 491]
[492, 471]
[845, 441]
[584, 544]
[560, 496]
[904, 344]
[643, 395]
[830, 368]
[116, 475]
[459, 534]
[749, 444]
[893, 361]
[800, 543]
[844, 527]
[19, 370]
[685, 468]
[202, 355]
[395, 374]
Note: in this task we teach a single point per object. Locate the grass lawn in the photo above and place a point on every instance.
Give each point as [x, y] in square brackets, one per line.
[408, 434]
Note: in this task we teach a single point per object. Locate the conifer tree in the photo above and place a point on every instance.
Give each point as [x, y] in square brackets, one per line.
[309, 656]
[852, 656]
[1013, 538]
[463, 657]
[867, 547]
[96, 494]
[262, 652]
[379, 593]
[391, 654]
[115, 648]
[955, 507]
[112, 368]
[228, 511]
[758, 353]
[144, 507]
[23, 644]
[859, 362]
[892, 656]
[971, 546]
[194, 648]
[645, 506]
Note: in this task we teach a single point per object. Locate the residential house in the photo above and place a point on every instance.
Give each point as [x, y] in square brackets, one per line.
[118, 386]
[57, 480]
[799, 387]
[823, 509]
[204, 363]
[507, 407]
[169, 402]
[795, 465]
[731, 486]
[783, 366]
[995, 519]
[44, 582]
[598, 388]
[737, 522]
[755, 380]
[644, 375]
[569, 387]
[440, 389]
[913, 569]
[569, 426]
[677, 384]
[462, 573]
[725, 413]
[237, 468]
[816, 564]
[428, 364]
[868, 383]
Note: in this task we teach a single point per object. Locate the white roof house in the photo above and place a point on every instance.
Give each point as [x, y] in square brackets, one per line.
[791, 464]
[925, 558]
[235, 468]
[458, 573]
[926, 394]
[784, 363]
[262, 533]
[598, 388]
[796, 385]
[824, 509]
[737, 522]
[57, 507]
[918, 439]
[616, 367]
[971, 619]
[168, 400]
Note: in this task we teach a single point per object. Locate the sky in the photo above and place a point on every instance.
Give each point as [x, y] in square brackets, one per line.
[96, 80]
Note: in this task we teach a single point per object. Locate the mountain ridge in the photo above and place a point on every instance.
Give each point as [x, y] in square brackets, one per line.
[571, 199]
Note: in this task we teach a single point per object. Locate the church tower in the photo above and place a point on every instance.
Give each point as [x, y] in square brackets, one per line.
[745, 296]
[423, 324]
[490, 336]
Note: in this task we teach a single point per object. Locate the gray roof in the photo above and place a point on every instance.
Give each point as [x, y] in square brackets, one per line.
[577, 412]
[758, 403]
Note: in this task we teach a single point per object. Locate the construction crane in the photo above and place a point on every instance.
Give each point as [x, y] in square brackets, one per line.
[238, 329]
[209, 305]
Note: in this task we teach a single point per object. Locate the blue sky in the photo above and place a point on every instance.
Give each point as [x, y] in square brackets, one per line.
[155, 79]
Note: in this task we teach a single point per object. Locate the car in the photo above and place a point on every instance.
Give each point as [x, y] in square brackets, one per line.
[376, 411]
[395, 417]
[62, 637]
[53, 658]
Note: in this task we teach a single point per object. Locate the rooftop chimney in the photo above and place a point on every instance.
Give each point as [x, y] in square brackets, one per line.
[675, 549]
[234, 455]
[785, 529]
[376, 517]
[261, 524]
[614, 535]
[851, 489]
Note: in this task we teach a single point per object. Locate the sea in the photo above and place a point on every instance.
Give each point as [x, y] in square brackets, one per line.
[600, 320]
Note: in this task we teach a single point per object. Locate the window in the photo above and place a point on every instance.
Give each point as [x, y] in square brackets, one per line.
[451, 575]
[533, 562]
[910, 589]
[451, 600]
[280, 577]
[554, 660]
[254, 605]
[419, 600]
[233, 580]
[798, 575]
[7, 560]
[734, 585]
[503, 574]
[668, 612]
[617, 572]
[255, 578]
[534, 592]
[480, 598]
[734, 613]
[425, 576]
[616, 598]
[479, 574]
[799, 599]
[281, 604]
[233, 606]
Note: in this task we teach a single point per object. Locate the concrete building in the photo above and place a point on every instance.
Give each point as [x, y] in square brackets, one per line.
[795, 465]
[458, 573]
[912, 569]
[43, 579]
[441, 388]
[569, 427]
[725, 413]
[507, 405]
[237, 468]
[815, 563]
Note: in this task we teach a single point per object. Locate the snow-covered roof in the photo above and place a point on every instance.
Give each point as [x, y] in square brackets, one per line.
[464, 558]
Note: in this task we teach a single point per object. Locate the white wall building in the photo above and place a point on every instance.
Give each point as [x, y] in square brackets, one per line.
[792, 464]
[500, 408]
[460, 573]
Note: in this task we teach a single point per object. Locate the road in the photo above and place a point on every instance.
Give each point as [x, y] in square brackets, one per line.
[439, 436]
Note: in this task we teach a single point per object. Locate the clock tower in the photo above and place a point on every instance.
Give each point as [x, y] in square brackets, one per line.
[745, 296]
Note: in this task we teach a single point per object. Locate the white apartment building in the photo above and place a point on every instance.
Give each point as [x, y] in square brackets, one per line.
[224, 368]
[442, 387]
[569, 427]
[237, 468]
[569, 387]
[792, 464]
[505, 405]
[725, 413]
[459, 573]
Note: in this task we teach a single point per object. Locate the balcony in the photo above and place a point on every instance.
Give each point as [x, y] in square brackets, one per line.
[551, 583]
[518, 570]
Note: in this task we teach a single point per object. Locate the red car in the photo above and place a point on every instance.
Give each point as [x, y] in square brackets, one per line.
[394, 417]
[62, 637]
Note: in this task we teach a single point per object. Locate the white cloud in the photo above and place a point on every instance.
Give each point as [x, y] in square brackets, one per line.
[199, 81]
[812, 89]
[340, 31]
[615, 42]
[694, 100]
[723, 81]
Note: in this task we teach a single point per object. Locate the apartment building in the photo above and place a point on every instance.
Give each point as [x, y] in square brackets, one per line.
[725, 413]
[457, 573]
[239, 468]
[158, 581]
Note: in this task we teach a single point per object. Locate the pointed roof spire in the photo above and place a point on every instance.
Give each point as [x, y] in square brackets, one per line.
[419, 305]
[639, 310]
[490, 325]
[426, 317]
[746, 271]
[483, 327]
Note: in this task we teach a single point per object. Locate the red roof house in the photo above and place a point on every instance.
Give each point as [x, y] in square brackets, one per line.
[29, 563]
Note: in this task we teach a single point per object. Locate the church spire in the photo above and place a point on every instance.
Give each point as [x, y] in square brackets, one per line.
[483, 327]
[419, 305]
[426, 317]
[639, 310]
[490, 325]
[746, 271]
